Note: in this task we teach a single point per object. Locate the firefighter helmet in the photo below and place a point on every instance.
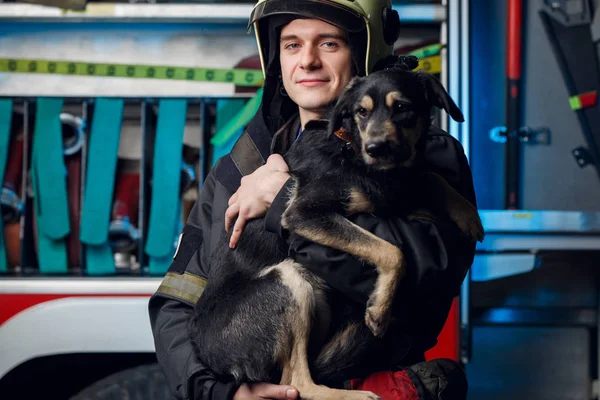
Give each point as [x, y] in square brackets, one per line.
[374, 19]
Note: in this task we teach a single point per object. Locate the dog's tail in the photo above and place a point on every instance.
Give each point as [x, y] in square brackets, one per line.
[345, 355]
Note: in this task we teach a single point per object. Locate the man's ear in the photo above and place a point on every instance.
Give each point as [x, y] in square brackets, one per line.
[439, 97]
[343, 108]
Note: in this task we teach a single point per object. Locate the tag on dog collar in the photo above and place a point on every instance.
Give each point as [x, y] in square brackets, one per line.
[343, 135]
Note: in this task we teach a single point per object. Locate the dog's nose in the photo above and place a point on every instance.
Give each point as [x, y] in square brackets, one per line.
[378, 148]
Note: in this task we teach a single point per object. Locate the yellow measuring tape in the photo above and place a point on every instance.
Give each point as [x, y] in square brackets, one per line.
[432, 65]
[237, 76]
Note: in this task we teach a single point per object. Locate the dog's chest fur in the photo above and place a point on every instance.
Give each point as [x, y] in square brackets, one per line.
[320, 159]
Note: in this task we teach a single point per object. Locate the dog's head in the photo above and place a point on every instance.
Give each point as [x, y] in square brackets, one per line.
[385, 114]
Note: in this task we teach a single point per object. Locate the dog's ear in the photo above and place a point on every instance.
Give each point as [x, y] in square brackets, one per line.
[439, 97]
[343, 107]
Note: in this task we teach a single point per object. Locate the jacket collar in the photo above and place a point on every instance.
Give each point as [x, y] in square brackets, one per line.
[285, 136]
[253, 148]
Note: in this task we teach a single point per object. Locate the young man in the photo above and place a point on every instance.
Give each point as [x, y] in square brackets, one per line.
[310, 49]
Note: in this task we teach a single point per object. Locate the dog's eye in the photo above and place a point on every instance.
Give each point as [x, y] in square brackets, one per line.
[361, 111]
[401, 107]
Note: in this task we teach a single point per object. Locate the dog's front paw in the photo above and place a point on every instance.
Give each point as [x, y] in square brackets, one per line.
[377, 317]
[479, 232]
[473, 228]
[470, 225]
[363, 395]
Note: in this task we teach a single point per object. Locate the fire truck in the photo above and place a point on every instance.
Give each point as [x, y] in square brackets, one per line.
[93, 335]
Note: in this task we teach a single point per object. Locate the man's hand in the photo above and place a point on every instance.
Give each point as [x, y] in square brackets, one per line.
[255, 195]
[261, 391]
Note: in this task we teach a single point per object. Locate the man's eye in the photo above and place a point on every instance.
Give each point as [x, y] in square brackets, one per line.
[330, 44]
[292, 46]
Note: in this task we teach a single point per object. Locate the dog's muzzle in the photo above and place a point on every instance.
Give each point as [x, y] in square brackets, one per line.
[385, 150]
[378, 148]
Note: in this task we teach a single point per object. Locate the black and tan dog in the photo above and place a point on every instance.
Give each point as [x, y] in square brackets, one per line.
[264, 317]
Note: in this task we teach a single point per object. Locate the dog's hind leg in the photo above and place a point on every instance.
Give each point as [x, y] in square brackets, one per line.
[353, 351]
[312, 218]
[293, 350]
[237, 324]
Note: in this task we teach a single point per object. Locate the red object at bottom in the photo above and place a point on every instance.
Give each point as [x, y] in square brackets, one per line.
[388, 385]
[397, 385]
[449, 338]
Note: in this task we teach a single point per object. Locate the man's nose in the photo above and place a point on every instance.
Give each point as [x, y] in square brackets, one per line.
[310, 58]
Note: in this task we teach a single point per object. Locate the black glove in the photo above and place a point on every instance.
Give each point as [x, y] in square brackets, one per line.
[439, 379]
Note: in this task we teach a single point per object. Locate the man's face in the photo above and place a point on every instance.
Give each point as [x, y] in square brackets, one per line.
[316, 63]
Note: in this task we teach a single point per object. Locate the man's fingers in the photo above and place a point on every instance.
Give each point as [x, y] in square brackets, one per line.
[230, 215]
[233, 199]
[275, 392]
[238, 228]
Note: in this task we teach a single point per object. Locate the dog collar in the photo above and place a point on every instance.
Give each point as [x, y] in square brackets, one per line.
[342, 134]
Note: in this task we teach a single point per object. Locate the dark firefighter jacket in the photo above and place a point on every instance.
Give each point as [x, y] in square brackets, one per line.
[437, 257]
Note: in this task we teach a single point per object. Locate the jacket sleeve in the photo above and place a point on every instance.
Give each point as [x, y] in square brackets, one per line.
[437, 257]
[172, 304]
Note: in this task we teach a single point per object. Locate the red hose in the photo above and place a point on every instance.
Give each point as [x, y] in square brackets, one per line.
[513, 104]
[515, 25]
